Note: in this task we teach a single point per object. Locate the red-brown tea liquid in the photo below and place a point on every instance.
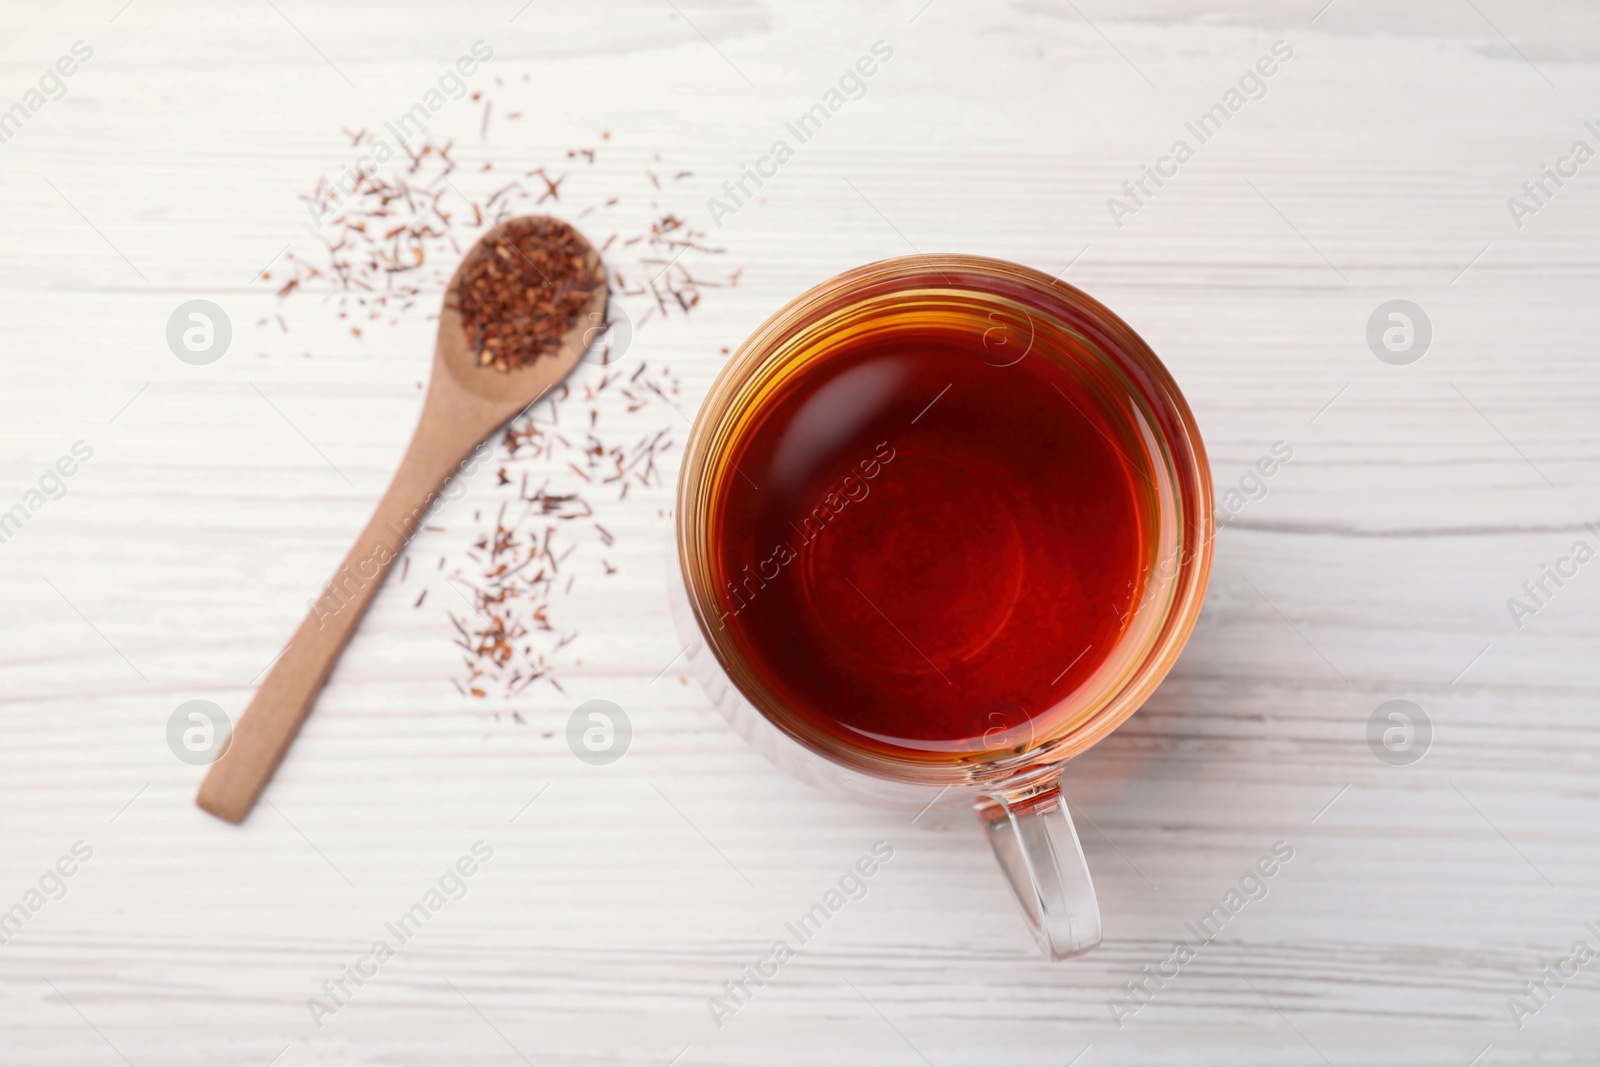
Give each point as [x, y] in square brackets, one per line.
[923, 552]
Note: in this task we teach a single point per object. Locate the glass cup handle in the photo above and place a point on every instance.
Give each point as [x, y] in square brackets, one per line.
[1037, 846]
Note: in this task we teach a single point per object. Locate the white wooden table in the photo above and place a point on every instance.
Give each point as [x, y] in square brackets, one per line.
[1378, 565]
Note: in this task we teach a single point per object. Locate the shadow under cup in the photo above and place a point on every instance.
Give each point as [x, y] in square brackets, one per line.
[945, 522]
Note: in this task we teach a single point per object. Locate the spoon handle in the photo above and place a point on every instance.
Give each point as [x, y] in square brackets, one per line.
[286, 697]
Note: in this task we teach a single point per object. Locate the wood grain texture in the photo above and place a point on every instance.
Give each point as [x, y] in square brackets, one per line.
[1377, 566]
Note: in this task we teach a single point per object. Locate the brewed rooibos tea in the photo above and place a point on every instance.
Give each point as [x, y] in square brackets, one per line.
[936, 531]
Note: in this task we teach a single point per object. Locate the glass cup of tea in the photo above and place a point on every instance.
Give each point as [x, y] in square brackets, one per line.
[943, 524]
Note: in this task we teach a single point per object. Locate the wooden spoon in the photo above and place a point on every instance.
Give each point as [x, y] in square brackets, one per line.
[465, 404]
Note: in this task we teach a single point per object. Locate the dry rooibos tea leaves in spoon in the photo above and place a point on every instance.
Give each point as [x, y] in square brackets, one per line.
[524, 292]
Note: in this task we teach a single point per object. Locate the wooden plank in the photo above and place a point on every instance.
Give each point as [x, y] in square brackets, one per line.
[1377, 566]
